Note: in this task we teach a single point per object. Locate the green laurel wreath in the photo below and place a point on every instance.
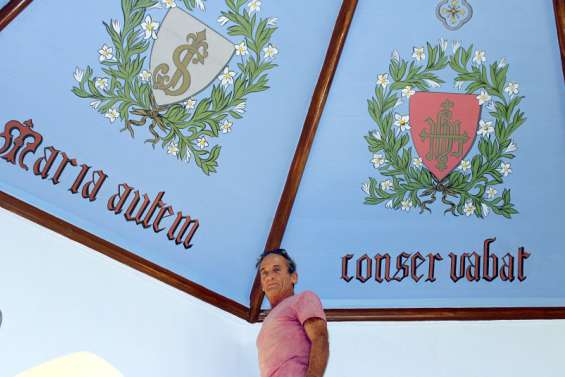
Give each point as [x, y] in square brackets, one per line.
[173, 123]
[417, 185]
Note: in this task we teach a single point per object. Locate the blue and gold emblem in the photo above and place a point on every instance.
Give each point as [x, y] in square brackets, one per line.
[453, 14]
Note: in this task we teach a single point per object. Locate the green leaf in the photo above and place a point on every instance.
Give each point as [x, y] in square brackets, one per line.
[473, 87]
[475, 165]
[466, 55]
[189, 4]
[511, 106]
[493, 73]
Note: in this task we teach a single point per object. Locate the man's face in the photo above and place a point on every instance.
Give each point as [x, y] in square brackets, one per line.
[276, 281]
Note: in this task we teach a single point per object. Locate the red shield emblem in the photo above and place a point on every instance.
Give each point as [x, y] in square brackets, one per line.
[443, 128]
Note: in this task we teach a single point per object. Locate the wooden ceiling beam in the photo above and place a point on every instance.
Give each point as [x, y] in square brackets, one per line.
[302, 152]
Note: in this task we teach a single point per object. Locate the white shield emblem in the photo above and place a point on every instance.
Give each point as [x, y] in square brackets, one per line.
[186, 57]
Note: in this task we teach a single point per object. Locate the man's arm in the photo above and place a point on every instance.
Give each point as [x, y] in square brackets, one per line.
[317, 331]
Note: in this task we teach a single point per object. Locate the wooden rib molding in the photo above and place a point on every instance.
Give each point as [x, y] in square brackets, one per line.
[559, 6]
[441, 314]
[11, 10]
[446, 314]
[121, 255]
[305, 143]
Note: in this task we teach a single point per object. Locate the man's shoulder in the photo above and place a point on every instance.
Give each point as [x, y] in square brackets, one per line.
[307, 298]
[308, 305]
[307, 295]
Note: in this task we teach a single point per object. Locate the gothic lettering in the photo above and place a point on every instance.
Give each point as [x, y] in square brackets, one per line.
[344, 262]
[44, 171]
[84, 168]
[368, 262]
[121, 196]
[141, 209]
[66, 161]
[26, 134]
[187, 224]
[90, 189]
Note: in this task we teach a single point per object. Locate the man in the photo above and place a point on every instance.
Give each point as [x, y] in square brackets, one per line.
[293, 341]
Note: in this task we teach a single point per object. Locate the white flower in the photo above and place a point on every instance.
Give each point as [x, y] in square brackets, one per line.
[145, 76]
[150, 28]
[418, 53]
[389, 204]
[173, 149]
[386, 185]
[485, 128]
[112, 115]
[202, 142]
[382, 80]
[486, 209]
[456, 45]
[469, 208]
[225, 127]
[483, 97]
[101, 83]
[170, 3]
[78, 74]
[408, 91]
[443, 44]
[272, 21]
[401, 121]
[395, 56]
[241, 49]
[417, 162]
[491, 192]
[222, 20]
[511, 148]
[366, 187]
[95, 104]
[465, 165]
[254, 6]
[200, 4]
[227, 77]
[480, 57]
[378, 160]
[376, 134]
[116, 26]
[270, 51]
[240, 107]
[505, 169]
[512, 88]
[459, 84]
[406, 205]
[502, 63]
[189, 104]
[432, 83]
[106, 53]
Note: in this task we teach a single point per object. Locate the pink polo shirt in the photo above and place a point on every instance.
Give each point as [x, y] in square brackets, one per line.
[284, 347]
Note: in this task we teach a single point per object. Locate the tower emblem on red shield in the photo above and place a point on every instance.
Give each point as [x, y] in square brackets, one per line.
[443, 129]
[451, 149]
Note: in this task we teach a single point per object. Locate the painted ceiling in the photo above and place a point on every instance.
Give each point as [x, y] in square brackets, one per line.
[374, 185]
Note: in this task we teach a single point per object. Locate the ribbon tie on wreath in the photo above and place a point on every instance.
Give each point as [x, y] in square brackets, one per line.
[157, 119]
[446, 189]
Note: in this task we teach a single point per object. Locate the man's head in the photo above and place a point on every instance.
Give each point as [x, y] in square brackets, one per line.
[278, 275]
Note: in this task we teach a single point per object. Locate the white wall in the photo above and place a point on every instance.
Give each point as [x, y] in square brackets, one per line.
[58, 297]
[448, 349]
